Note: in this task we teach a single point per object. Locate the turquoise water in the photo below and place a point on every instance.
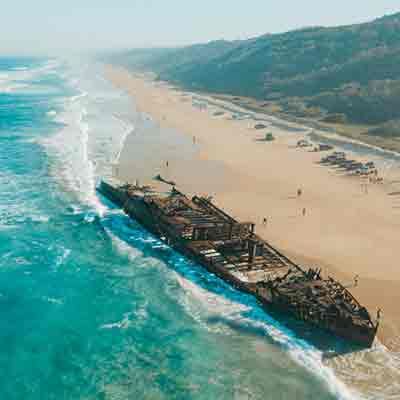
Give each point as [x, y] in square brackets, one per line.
[91, 305]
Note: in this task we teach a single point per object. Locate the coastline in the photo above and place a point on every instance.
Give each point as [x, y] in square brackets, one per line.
[345, 232]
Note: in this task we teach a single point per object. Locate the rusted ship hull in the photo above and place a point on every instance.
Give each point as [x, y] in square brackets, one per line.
[267, 289]
[358, 335]
[138, 211]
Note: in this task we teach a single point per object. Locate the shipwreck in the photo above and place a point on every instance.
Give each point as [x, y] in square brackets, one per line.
[233, 251]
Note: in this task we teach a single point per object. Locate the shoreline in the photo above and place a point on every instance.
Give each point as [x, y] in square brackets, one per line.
[230, 165]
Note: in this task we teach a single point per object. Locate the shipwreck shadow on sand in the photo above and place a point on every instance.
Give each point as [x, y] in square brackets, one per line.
[297, 332]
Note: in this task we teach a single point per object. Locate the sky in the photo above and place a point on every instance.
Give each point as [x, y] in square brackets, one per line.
[51, 26]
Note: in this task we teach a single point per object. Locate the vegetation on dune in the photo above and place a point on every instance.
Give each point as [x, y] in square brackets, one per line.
[343, 74]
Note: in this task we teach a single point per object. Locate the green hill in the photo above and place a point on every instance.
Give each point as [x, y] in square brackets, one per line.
[349, 72]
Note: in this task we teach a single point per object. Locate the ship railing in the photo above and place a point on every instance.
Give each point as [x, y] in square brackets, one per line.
[353, 300]
[205, 203]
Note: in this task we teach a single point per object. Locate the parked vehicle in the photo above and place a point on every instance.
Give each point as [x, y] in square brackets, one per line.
[304, 143]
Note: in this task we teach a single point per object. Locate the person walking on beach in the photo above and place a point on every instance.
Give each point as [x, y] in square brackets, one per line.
[304, 212]
[265, 221]
[299, 192]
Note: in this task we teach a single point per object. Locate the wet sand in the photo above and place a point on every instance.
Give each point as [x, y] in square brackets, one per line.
[345, 231]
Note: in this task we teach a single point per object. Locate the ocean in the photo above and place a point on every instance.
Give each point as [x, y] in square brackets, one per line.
[94, 307]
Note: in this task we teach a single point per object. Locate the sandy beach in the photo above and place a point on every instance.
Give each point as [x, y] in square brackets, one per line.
[347, 229]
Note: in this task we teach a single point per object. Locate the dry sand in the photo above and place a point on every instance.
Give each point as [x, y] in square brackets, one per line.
[345, 231]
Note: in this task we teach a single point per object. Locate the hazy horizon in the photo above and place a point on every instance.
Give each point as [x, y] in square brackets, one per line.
[59, 28]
